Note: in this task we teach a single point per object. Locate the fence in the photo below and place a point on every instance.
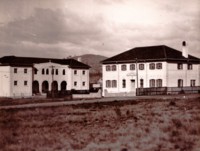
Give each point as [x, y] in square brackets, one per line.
[167, 90]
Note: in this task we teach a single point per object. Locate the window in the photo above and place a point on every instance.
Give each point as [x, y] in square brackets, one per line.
[159, 66]
[180, 83]
[75, 83]
[35, 71]
[15, 83]
[47, 71]
[192, 83]
[159, 83]
[83, 83]
[25, 83]
[56, 71]
[63, 71]
[25, 70]
[15, 70]
[108, 83]
[152, 83]
[124, 83]
[132, 66]
[123, 67]
[114, 68]
[114, 83]
[180, 66]
[83, 72]
[141, 66]
[189, 66]
[141, 83]
[42, 71]
[75, 71]
[152, 66]
[107, 68]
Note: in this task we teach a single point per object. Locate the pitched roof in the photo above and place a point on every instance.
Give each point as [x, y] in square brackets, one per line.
[150, 54]
[29, 61]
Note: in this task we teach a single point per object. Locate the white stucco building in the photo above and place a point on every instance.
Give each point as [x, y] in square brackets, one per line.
[15, 81]
[25, 76]
[150, 67]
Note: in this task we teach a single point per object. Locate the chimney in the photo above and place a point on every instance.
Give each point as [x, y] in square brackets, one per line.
[79, 59]
[184, 50]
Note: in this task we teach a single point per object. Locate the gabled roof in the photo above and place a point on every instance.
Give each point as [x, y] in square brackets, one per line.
[150, 54]
[29, 61]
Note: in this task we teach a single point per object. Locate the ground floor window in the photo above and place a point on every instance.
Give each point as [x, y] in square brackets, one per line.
[141, 83]
[159, 82]
[124, 83]
[192, 83]
[111, 83]
[152, 83]
[108, 83]
[25, 83]
[15, 83]
[180, 83]
[114, 83]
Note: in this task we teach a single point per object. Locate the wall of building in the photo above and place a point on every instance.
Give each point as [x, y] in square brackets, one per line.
[70, 77]
[21, 81]
[174, 74]
[80, 79]
[40, 77]
[5, 81]
[168, 74]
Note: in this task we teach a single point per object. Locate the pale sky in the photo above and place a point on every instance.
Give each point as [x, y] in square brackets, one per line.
[62, 28]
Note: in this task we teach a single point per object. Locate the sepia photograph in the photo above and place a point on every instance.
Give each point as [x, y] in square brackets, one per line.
[99, 75]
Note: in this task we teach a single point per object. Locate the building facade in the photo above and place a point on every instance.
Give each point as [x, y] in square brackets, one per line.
[24, 77]
[149, 67]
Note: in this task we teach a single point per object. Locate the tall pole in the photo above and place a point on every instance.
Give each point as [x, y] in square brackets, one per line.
[52, 73]
[136, 61]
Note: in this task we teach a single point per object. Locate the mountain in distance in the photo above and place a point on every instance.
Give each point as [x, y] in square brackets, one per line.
[94, 61]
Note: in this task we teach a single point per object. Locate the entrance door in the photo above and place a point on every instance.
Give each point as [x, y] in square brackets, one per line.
[132, 85]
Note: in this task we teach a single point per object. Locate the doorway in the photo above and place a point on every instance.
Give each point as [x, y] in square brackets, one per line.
[132, 85]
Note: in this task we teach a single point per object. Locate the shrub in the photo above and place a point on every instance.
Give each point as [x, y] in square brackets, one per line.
[172, 103]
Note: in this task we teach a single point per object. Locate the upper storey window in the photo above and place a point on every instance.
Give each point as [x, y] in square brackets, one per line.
[152, 66]
[35, 71]
[107, 68]
[141, 66]
[25, 70]
[63, 71]
[15, 70]
[179, 66]
[189, 66]
[47, 71]
[159, 66]
[42, 71]
[132, 66]
[114, 68]
[123, 67]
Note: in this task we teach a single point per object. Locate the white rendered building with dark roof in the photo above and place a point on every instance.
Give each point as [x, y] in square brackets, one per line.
[151, 70]
[26, 76]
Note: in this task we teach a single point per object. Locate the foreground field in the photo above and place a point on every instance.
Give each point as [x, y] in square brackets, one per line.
[145, 125]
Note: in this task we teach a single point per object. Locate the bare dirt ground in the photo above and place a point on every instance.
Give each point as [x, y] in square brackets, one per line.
[145, 125]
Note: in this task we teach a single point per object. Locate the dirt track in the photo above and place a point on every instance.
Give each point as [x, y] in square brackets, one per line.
[31, 103]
